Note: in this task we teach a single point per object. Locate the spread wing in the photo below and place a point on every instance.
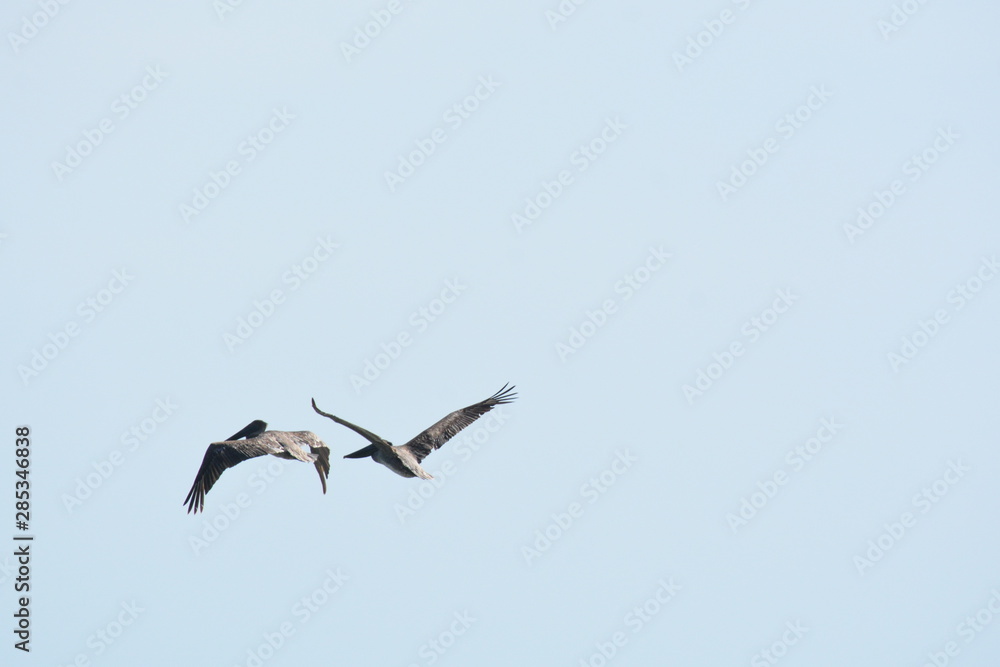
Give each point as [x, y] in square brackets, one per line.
[447, 428]
[222, 455]
[372, 438]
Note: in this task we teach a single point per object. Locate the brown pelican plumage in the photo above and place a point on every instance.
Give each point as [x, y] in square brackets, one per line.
[405, 459]
[259, 441]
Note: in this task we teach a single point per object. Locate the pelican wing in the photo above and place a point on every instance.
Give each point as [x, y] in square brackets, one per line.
[322, 464]
[222, 455]
[357, 429]
[443, 431]
[251, 430]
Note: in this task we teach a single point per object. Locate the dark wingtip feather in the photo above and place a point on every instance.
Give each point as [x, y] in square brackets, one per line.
[505, 395]
[192, 500]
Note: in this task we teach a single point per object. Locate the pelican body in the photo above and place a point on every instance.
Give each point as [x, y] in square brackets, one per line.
[404, 460]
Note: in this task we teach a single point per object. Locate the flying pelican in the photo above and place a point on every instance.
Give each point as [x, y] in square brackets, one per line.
[405, 459]
[259, 441]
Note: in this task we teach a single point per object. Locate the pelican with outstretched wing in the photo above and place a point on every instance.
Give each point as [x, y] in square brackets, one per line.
[258, 442]
[405, 459]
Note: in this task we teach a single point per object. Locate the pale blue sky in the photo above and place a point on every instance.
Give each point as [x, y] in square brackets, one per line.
[198, 230]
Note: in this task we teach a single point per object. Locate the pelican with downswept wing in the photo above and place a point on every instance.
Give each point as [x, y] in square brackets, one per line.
[257, 441]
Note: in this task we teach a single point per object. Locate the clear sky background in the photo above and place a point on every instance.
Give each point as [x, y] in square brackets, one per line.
[739, 258]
